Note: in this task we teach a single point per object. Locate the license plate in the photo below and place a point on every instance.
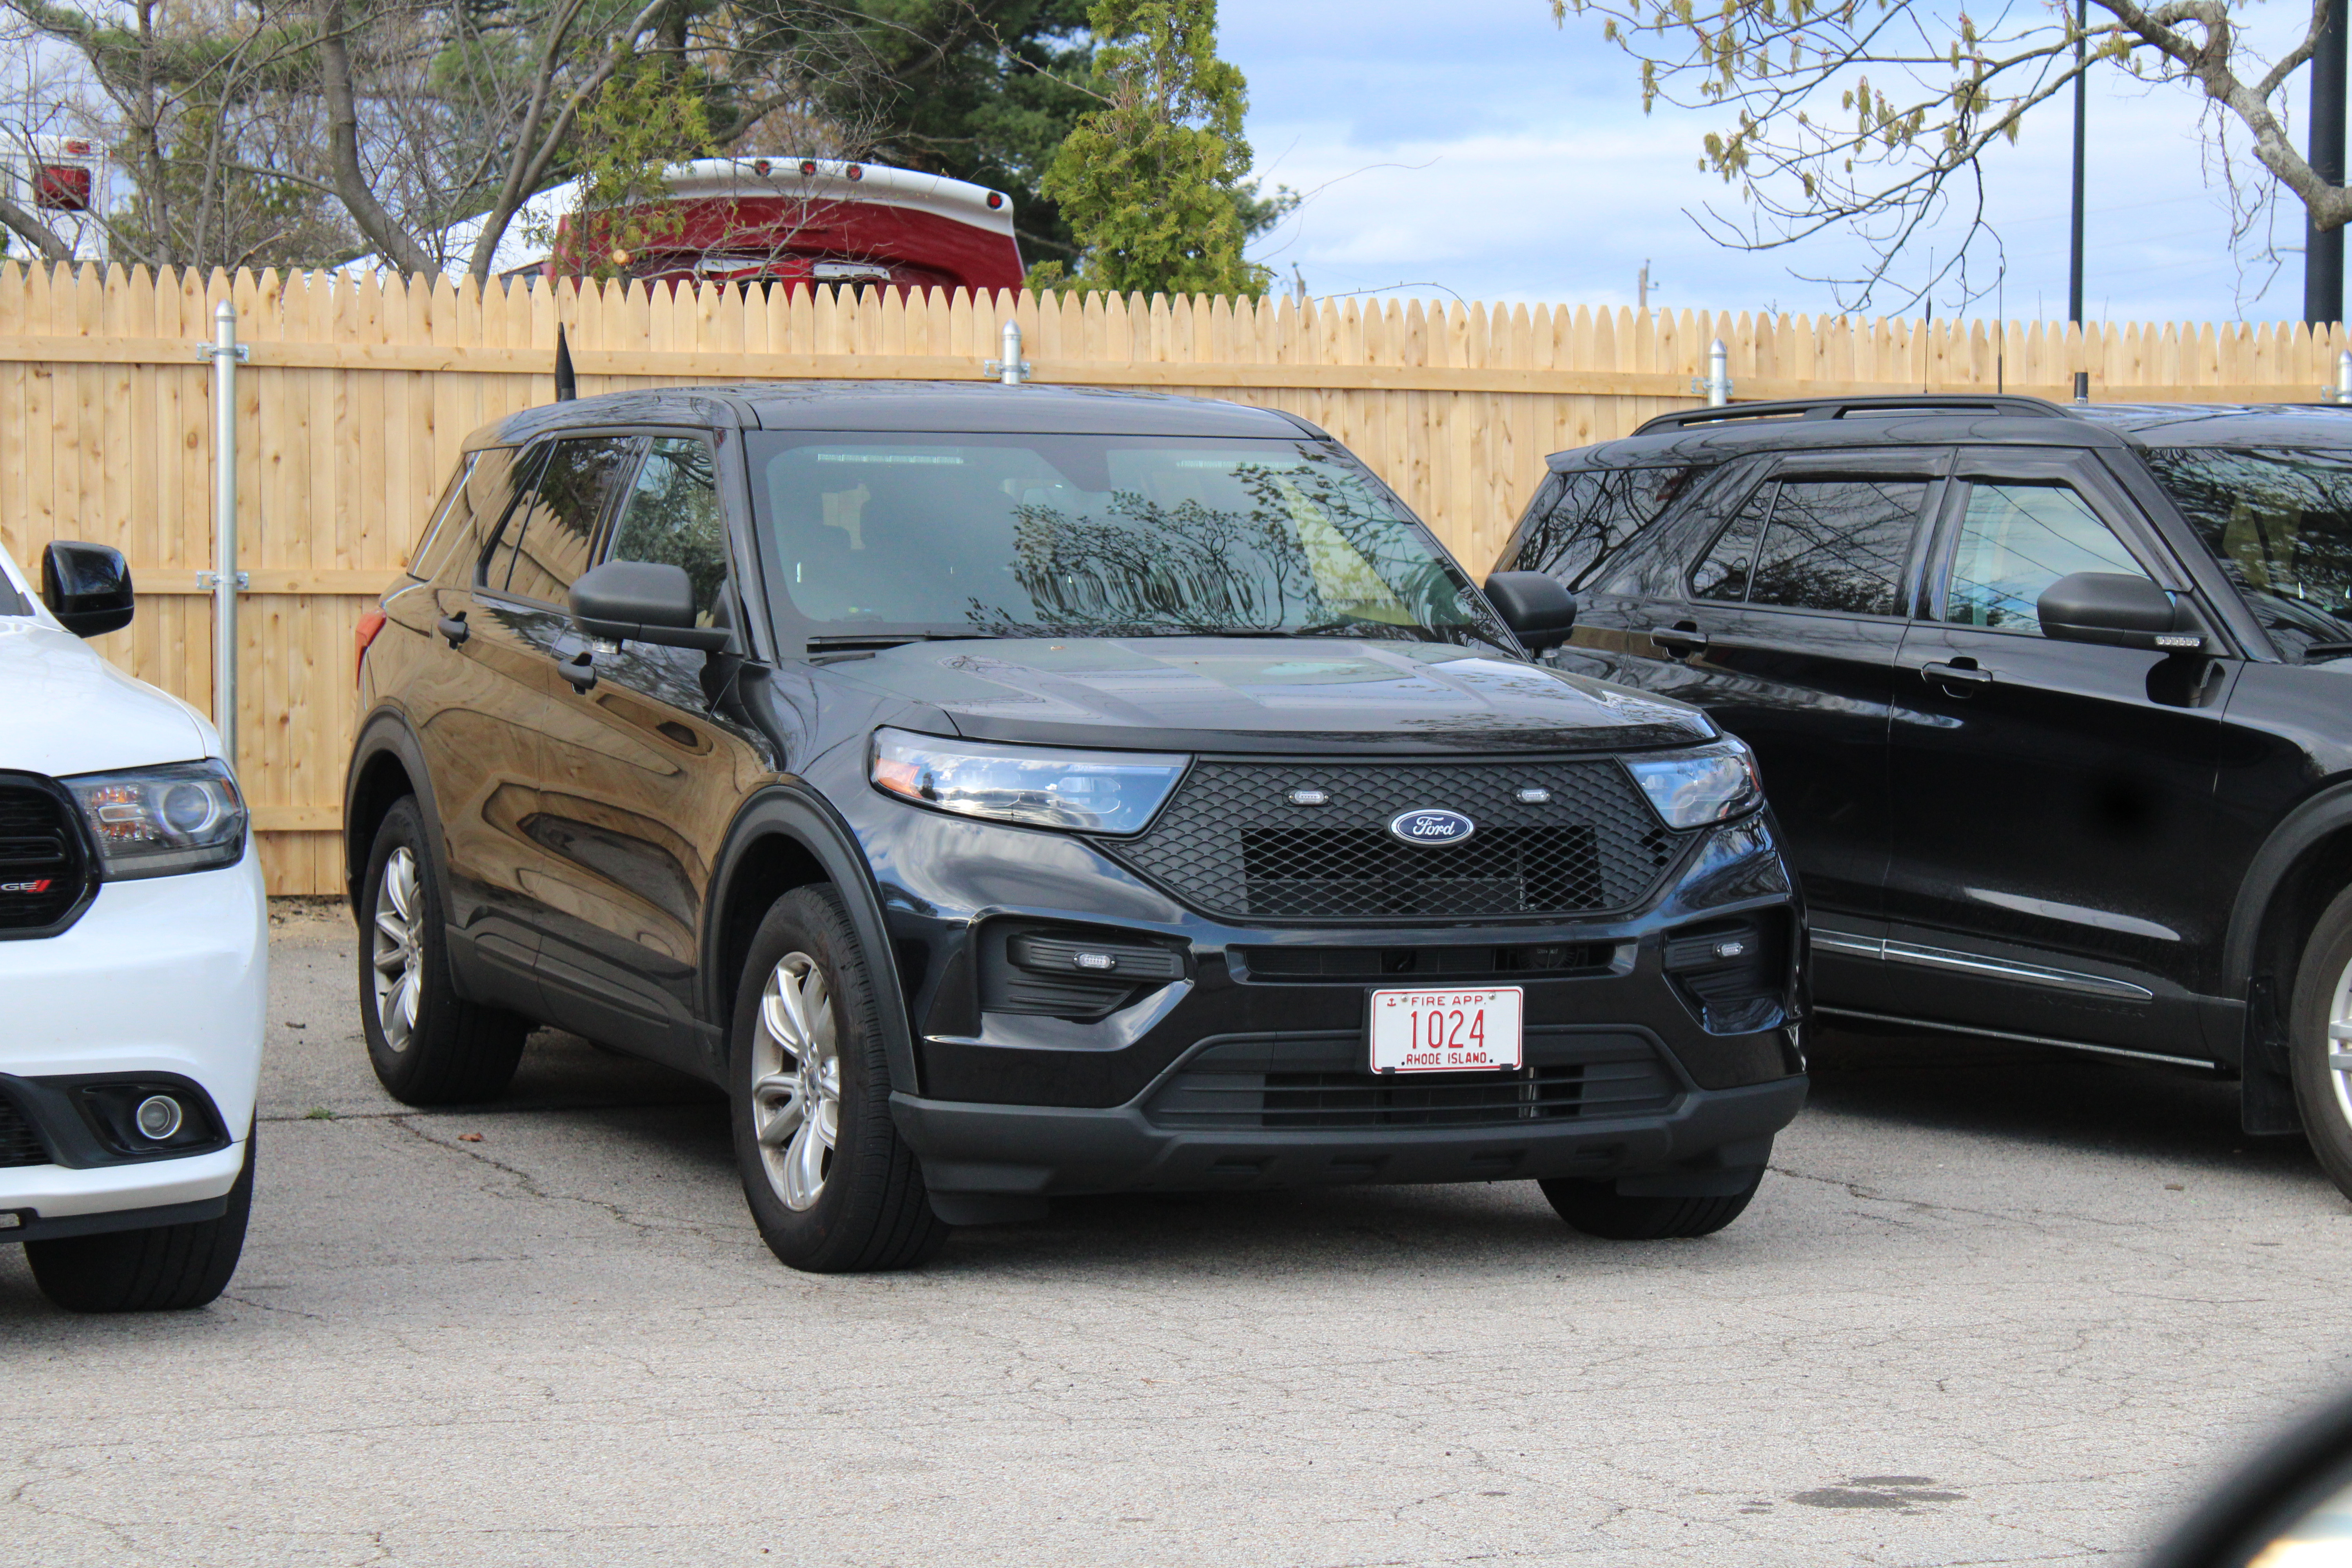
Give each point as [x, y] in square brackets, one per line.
[1447, 1031]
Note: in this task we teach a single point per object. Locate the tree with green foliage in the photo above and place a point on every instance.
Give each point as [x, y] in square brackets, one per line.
[982, 91]
[1151, 180]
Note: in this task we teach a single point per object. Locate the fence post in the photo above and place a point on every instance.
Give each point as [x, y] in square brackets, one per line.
[224, 579]
[1011, 369]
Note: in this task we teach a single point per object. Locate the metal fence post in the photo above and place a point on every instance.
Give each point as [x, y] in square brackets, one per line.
[224, 579]
[1716, 384]
[1012, 370]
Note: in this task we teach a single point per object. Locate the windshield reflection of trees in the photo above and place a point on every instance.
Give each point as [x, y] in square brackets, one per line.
[1142, 568]
[2280, 523]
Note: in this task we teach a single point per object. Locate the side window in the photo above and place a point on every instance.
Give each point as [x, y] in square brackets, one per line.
[451, 520]
[2015, 540]
[567, 501]
[1838, 544]
[509, 498]
[1723, 573]
[1597, 513]
[672, 517]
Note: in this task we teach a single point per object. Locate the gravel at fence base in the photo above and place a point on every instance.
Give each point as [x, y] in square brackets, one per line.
[1993, 1306]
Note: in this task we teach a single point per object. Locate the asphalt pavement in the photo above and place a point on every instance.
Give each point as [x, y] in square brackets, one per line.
[1992, 1305]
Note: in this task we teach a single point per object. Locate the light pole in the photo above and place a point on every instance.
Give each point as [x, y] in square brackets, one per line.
[2323, 250]
[2082, 135]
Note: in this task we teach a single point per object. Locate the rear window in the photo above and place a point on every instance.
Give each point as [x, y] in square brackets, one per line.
[2279, 519]
[1595, 513]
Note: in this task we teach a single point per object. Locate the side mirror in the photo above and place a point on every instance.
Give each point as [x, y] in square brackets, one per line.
[1534, 606]
[2118, 609]
[640, 601]
[86, 587]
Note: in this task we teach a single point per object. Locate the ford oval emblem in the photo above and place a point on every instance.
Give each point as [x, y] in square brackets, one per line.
[1426, 826]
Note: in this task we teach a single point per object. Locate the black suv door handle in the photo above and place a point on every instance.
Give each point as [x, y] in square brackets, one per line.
[580, 671]
[1684, 638]
[454, 628]
[1960, 678]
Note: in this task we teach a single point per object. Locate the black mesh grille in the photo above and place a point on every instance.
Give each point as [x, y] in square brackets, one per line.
[1321, 1081]
[1232, 843]
[19, 1144]
[41, 870]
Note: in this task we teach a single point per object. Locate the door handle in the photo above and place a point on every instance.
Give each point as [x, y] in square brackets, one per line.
[454, 628]
[1684, 638]
[1960, 678]
[580, 671]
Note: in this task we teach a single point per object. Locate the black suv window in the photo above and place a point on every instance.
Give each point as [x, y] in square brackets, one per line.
[2280, 521]
[1596, 512]
[671, 517]
[2015, 540]
[1826, 543]
[545, 543]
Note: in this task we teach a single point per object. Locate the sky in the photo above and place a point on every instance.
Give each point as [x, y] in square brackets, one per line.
[1478, 148]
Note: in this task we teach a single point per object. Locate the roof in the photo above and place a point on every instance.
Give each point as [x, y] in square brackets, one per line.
[1709, 435]
[976, 406]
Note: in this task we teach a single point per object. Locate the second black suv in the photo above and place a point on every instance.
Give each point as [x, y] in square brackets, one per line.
[1014, 792]
[2046, 698]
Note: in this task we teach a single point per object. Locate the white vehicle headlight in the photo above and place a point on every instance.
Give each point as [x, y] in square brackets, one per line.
[1691, 789]
[153, 822]
[1042, 787]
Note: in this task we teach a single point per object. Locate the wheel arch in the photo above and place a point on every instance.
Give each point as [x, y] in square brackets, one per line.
[786, 838]
[2305, 863]
[387, 763]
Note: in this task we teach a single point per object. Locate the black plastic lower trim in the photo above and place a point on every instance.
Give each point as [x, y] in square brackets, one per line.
[33, 1228]
[1042, 1151]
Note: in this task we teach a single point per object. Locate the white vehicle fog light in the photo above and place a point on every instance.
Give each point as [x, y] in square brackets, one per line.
[158, 1116]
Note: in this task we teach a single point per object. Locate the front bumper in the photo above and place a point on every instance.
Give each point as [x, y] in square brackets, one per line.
[165, 977]
[1043, 1150]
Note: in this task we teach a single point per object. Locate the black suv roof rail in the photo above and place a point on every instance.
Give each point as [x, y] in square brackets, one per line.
[1839, 407]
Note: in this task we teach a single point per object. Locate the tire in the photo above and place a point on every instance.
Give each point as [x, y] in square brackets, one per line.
[2323, 996]
[428, 1045]
[1598, 1209]
[164, 1268]
[806, 1063]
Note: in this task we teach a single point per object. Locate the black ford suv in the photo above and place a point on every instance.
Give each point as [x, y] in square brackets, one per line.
[1012, 792]
[2046, 698]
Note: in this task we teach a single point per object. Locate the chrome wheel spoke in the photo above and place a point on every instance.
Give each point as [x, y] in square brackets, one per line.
[796, 1080]
[2339, 1044]
[394, 956]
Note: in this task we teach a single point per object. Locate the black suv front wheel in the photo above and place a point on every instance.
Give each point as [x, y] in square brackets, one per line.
[429, 1046]
[2319, 1043]
[832, 1186]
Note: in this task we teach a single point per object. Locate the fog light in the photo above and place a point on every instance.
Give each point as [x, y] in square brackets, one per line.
[158, 1116]
[1096, 961]
[1732, 949]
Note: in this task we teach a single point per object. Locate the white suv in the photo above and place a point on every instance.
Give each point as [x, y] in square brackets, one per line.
[133, 962]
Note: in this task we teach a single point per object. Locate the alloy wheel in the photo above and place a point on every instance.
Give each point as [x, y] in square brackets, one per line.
[796, 1080]
[395, 957]
[2339, 1043]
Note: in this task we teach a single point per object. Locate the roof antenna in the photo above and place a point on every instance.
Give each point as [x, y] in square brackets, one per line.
[566, 387]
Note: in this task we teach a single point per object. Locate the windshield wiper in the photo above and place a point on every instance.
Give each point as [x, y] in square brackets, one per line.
[877, 640]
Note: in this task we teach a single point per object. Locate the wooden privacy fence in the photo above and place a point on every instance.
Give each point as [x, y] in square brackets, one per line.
[359, 391]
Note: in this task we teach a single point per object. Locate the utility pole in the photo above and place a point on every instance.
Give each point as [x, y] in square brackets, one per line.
[2082, 138]
[2323, 252]
[1642, 287]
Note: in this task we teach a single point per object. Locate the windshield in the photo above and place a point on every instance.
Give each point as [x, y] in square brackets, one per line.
[972, 535]
[2280, 521]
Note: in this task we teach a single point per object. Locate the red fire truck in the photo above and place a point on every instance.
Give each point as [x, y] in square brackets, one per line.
[776, 220]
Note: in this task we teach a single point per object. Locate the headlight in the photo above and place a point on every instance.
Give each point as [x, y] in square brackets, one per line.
[1691, 789]
[153, 822]
[1095, 792]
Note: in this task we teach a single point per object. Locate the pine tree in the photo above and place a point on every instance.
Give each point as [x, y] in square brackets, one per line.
[1151, 182]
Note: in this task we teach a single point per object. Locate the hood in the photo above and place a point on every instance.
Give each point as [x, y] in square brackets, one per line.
[1289, 695]
[64, 710]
